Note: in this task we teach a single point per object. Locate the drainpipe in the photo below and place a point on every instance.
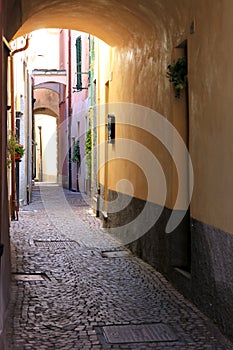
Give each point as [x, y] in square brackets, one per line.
[41, 155]
[33, 137]
[14, 206]
[69, 109]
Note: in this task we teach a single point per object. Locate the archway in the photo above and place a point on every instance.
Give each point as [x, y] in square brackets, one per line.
[46, 148]
[141, 39]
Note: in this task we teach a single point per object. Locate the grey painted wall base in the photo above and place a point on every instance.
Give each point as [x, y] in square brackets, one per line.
[212, 273]
[195, 257]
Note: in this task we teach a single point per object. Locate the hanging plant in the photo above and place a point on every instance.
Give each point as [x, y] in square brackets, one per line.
[177, 74]
[15, 149]
[76, 153]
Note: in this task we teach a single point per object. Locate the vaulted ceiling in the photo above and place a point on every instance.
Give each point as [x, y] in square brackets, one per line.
[114, 21]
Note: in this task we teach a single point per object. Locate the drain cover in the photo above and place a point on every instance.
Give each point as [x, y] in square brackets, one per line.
[25, 277]
[158, 332]
[115, 254]
[55, 243]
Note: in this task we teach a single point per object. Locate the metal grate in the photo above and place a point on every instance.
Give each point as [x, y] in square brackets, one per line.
[158, 332]
[55, 243]
[29, 277]
[115, 253]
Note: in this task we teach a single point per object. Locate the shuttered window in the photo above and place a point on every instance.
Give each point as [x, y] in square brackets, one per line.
[79, 63]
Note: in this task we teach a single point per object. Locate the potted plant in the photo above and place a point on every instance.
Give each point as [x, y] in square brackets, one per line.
[177, 74]
[19, 151]
[15, 149]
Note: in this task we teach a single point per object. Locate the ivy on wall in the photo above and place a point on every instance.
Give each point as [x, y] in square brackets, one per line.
[88, 151]
[76, 153]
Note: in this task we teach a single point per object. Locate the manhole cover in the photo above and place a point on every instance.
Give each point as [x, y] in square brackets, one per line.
[158, 332]
[115, 254]
[25, 277]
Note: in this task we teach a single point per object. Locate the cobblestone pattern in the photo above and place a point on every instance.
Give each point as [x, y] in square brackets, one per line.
[84, 291]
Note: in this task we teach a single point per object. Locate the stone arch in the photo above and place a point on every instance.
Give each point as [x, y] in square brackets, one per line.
[142, 36]
[48, 94]
[47, 102]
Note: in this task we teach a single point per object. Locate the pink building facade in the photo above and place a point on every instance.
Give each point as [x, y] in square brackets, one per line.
[74, 58]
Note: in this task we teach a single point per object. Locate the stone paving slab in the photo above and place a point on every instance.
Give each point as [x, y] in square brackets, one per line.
[84, 291]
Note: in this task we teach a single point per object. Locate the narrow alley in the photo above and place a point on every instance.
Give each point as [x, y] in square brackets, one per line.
[74, 287]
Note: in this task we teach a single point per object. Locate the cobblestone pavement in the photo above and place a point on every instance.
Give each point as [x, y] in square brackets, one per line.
[83, 292]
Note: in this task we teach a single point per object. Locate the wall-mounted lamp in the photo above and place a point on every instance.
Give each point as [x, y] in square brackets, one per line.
[19, 115]
[111, 128]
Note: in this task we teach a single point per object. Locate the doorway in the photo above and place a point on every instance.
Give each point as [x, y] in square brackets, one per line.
[46, 148]
[181, 236]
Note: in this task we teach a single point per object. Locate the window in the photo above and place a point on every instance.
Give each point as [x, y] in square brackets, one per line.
[79, 63]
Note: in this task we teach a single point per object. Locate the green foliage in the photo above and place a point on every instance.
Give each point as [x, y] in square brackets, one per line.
[177, 74]
[14, 147]
[88, 142]
[76, 153]
[88, 149]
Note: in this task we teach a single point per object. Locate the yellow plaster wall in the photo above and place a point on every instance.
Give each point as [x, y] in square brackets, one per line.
[211, 122]
[139, 77]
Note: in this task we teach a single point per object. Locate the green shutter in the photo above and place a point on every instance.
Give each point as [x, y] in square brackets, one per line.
[79, 63]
